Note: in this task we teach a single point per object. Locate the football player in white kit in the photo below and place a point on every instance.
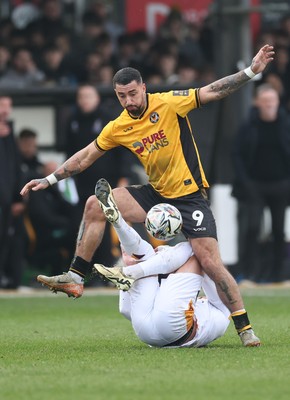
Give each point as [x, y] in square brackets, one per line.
[164, 312]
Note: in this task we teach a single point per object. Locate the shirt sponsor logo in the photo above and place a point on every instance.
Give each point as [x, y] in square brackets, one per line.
[201, 228]
[151, 143]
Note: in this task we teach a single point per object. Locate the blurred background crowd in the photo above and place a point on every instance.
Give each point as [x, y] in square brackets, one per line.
[76, 47]
[46, 49]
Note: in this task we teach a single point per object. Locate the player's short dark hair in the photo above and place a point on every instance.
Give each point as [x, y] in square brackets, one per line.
[127, 75]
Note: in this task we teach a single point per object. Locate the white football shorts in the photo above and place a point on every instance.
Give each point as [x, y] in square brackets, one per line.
[160, 315]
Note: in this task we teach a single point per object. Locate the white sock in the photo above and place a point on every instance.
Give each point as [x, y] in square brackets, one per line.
[76, 277]
[134, 271]
[166, 260]
[131, 241]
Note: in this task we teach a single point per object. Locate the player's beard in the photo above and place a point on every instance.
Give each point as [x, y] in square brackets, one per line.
[136, 112]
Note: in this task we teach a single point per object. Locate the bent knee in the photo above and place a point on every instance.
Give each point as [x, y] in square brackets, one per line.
[93, 210]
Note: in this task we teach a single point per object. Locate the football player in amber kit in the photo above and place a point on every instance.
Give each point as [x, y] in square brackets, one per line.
[175, 174]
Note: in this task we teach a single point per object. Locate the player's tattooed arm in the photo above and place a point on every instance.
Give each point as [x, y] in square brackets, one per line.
[223, 87]
[78, 162]
[72, 166]
[226, 86]
[229, 84]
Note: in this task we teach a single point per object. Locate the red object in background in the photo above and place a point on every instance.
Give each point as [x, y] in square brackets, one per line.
[16, 3]
[255, 20]
[148, 15]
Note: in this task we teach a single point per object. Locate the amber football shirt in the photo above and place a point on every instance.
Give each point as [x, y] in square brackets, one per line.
[162, 140]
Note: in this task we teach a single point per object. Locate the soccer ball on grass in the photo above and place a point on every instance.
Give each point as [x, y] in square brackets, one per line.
[163, 221]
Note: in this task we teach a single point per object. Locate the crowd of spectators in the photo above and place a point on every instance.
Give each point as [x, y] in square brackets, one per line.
[50, 51]
[47, 50]
[39, 230]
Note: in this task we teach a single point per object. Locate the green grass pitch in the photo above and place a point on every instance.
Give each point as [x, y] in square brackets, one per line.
[55, 348]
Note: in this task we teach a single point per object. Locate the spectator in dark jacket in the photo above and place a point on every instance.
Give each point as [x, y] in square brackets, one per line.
[11, 203]
[262, 168]
[31, 166]
[84, 125]
[55, 222]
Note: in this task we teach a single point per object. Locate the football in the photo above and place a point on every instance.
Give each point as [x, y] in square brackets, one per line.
[163, 221]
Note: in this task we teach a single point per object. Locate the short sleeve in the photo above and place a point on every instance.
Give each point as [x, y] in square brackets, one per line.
[105, 140]
[182, 101]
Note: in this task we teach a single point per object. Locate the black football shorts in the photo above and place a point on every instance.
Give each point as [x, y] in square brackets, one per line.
[198, 219]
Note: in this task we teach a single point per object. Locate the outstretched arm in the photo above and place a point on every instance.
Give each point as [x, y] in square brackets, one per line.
[229, 84]
[74, 165]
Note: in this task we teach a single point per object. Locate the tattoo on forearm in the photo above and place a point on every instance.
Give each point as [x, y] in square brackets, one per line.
[81, 233]
[225, 86]
[225, 289]
[70, 167]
